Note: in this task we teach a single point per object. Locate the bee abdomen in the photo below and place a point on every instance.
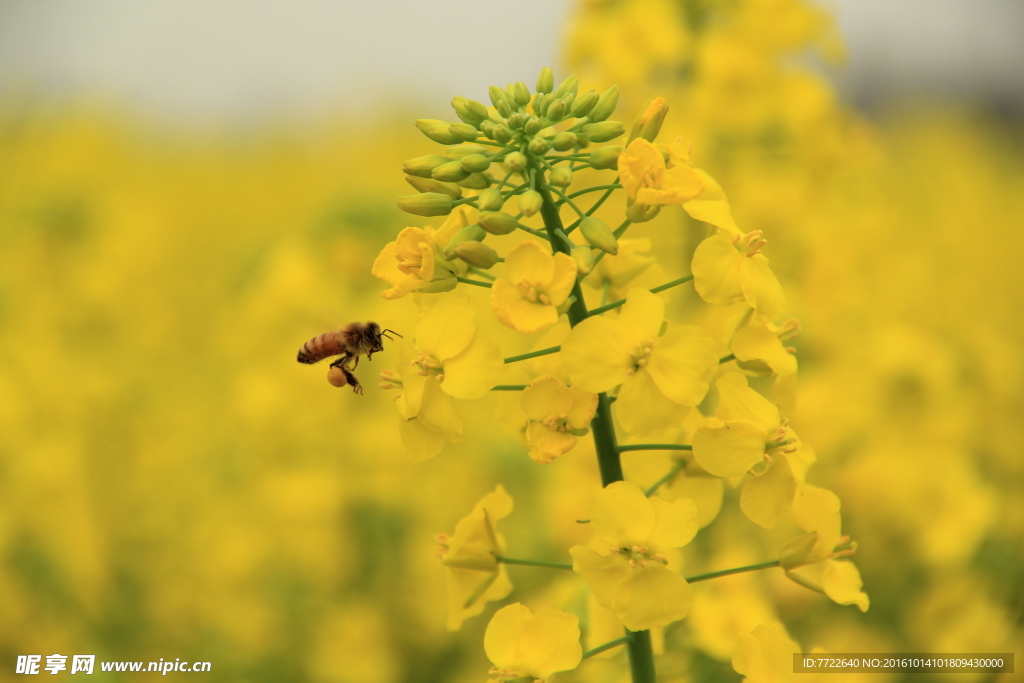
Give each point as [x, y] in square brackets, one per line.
[320, 347]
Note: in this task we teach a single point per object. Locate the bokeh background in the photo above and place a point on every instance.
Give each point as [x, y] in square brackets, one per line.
[189, 190]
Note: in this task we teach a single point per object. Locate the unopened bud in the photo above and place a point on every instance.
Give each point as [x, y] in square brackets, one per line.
[569, 85]
[546, 80]
[477, 254]
[599, 235]
[472, 110]
[487, 128]
[516, 121]
[538, 147]
[437, 130]
[422, 166]
[451, 172]
[584, 257]
[497, 223]
[560, 177]
[521, 93]
[604, 131]
[647, 124]
[530, 202]
[475, 163]
[516, 161]
[496, 94]
[532, 126]
[556, 111]
[477, 181]
[470, 233]
[490, 199]
[540, 104]
[563, 141]
[502, 134]
[582, 105]
[641, 213]
[431, 185]
[426, 204]
[503, 109]
[463, 131]
[605, 104]
[464, 150]
[605, 157]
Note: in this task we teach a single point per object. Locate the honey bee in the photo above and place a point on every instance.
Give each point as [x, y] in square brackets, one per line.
[350, 342]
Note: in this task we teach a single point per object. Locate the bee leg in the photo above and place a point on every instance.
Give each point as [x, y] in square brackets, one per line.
[356, 364]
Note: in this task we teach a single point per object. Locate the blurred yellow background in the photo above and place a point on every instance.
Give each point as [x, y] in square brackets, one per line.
[173, 484]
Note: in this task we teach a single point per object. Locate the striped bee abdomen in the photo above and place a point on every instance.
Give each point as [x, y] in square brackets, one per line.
[320, 347]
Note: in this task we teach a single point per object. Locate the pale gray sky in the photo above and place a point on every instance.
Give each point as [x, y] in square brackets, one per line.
[236, 60]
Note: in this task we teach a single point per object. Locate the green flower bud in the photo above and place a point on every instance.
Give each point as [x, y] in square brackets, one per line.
[599, 235]
[516, 121]
[497, 223]
[521, 93]
[464, 150]
[541, 103]
[496, 94]
[530, 202]
[475, 111]
[560, 177]
[426, 204]
[516, 161]
[538, 147]
[648, 122]
[487, 128]
[563, 141]
[796, 553]
[532, 125]
[475, 163]
[431, 185]
[459, 105]
[582, 105]
[452, 172]
[582, 143]
[470, 233]
[584, 257]
[477, 254]
[556, 111]
[490, 200]
[502, 134]
[569, 85]
[463, 131]
[604, 131]
[439, 284]
[443, 135]
[426, 124]
[605, 104]
[503, 109]
[641, 213]
[422, 166]
[606, 157]
[477, 181]
[568, 99]
[546, 80]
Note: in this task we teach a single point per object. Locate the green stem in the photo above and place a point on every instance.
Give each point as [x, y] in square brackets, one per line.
[664, 480]
[533, 563]
[726, 359]
[655, 447]
[590, 212]
[579, 212]
[533, 354]
[660, 288]
[641, 652]
[467, 281]
[595, 188]
[736, 570]
[607, 646]
[509, 387]
[481, 273]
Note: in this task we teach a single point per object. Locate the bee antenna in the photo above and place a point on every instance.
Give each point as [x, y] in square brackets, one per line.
[384, 333]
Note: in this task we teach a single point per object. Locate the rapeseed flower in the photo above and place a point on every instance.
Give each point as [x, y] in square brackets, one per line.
[536, 290]
[527, 646]
[729, 267]
[415, 260]
[765, 655]
[659, 375]
[626, 567]
[557, 415]
[748, 435]
[469, 556]
[649, 183]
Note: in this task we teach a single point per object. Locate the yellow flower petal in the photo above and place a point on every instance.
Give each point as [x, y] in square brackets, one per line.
[447, 328]
[563, 279]
[755, 341]
[760, 288]
[438, 412]
[728, 449]
[638, 161]
[473, 372]
[765, 655]
[679, 184]
[545, 396]
[596, 354]
[547, 444]
[421, 443]
[711, 205]
[642, 315]
[767, 497]
[529, 317]
[550, 643]
[504, 633]
[716, 270]
[706, 492]
[465, 584]
[675, 523]
[652, 596]
[682, 364]
[841, 581]
[584, 405]
[737, 401]
[603, 573]
[621, 514]
[529, 262]
[817, 509]
[642, 409]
